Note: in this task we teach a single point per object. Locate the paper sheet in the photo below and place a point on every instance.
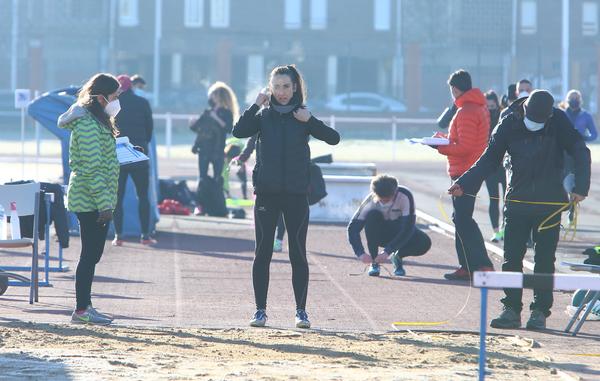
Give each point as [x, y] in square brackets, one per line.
[126, 154]
[430, 141]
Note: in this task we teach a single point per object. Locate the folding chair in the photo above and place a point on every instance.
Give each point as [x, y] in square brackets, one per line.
[590, 299]
[27, 197]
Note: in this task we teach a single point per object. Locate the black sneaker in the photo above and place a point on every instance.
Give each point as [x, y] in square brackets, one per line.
[508, 319]
[537, 320]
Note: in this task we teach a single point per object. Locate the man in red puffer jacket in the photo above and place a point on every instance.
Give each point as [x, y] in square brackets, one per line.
[468, 136]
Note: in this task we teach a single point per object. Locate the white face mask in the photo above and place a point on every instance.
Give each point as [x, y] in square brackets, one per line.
[533, 126]
[523, 94]
[113, 108]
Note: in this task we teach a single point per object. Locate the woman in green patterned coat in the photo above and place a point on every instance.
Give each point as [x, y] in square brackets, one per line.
[92, 192]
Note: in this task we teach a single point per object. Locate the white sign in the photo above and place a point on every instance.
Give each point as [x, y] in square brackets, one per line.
[22, 98]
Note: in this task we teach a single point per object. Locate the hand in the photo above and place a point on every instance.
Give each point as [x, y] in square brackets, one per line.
[438, 134]
[577, 197]
[262, 99]
[138, 148]
[365, 258]
[104, 217]
[383, 257]
[456, 190]
[302, 115]
[195, 149]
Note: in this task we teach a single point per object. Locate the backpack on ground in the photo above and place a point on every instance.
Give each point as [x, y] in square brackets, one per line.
[211, 198]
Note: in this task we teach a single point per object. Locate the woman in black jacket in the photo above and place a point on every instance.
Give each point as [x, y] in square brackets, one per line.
[281, 179]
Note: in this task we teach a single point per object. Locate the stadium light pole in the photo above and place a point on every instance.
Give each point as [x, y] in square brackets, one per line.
[13, 45]
[157, 37]
[565, 47]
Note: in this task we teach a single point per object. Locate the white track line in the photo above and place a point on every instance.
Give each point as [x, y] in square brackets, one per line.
[345, 293]
[448, 230]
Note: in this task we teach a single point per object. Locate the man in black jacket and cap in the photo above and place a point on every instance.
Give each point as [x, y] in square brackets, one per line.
[135, 122]
[535, 135]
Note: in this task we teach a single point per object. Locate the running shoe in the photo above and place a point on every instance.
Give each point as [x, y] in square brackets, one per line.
[302, 319]
[498, 236]
[508, 319]
[397, 263]
[259, 319]
[117, 242]
[374, 269]
[88, 317]
[97, 313]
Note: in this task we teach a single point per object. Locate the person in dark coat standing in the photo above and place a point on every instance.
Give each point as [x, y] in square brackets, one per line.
[281, 180]
[135, 122]
[536, 135]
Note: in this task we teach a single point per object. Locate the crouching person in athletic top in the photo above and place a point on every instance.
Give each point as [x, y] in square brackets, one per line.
[388, 217]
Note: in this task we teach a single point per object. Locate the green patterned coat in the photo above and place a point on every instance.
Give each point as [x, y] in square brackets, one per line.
[93, 162]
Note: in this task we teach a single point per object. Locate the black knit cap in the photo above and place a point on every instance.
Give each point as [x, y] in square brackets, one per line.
[539, 105]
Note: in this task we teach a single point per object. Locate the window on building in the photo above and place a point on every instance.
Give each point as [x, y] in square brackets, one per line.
[128, 13]
[528, 17]
[318, 14]
[193, 16]
[590, 18]
[382, 14]
[219, 13]
[293, 14]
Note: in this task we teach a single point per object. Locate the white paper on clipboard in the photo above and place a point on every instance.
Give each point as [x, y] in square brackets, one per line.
[126, 154]
[430, 141]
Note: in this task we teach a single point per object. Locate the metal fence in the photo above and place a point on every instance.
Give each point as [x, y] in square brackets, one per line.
[172, 126]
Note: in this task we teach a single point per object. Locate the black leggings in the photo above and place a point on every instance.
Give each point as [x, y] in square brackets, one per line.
[492, 183]
[217, 166]
[280, 228]
[380, 232]
[93, 237]
[267, 210]
[140, 175]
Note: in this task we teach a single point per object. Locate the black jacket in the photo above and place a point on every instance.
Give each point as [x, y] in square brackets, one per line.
[282, 153]
[537, 161]
[135, 119]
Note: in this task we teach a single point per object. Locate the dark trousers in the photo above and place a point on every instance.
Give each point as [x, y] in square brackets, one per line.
[93, 237]
[380, 232]
[469, 243]
[241, 174]
[493, 183]
[140, 174]
[217, 166]
[516, 233]
[267, 210]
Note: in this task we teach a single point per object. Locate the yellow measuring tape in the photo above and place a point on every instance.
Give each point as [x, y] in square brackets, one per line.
[543, 226]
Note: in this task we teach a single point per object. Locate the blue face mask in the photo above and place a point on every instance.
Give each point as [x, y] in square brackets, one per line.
[574, 104]
[533, 126]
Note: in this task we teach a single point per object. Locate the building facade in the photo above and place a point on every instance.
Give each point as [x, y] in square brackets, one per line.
[404, 49]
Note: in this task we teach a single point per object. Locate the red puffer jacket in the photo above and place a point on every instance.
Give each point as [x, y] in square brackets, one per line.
[468, 134]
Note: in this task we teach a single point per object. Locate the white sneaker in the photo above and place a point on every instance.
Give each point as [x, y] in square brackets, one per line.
[259, 319]
[302, 319]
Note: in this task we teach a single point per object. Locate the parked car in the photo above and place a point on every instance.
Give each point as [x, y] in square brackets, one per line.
[364, 102]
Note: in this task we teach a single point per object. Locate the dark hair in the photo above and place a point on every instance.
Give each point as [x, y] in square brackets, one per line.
[295, 76]
[524, 81]
[137, 79]
[384, 185]
[512, 92]
[460, 79]
[492, 96]
[99, 85]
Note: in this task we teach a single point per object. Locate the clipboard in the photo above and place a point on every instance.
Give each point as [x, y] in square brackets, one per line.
[126, 154]
[430, 141]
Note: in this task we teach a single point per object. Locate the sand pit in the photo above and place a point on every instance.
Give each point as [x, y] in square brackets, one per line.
[75, 352]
